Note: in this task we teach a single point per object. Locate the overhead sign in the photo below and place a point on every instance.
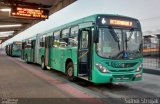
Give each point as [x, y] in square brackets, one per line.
[27, 12]
[121, 22]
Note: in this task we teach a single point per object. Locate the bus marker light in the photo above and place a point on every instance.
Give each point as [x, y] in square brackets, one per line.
[138, 75]
[139, 68]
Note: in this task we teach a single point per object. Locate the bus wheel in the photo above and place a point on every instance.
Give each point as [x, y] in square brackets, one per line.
[43, 64]
[70, 71]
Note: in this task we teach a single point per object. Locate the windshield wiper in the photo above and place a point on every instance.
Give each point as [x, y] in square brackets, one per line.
[130, 35]
[127, 39]
[115, 37]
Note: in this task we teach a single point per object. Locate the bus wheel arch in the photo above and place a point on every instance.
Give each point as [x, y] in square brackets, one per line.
[69, 69]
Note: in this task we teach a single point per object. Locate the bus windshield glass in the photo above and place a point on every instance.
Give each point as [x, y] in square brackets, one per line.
[119, 43]
[17, 46]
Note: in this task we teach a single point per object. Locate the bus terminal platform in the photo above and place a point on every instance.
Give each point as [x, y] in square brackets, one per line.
[29, 84]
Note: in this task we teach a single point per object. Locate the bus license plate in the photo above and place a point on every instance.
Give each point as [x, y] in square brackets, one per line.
[122, 78]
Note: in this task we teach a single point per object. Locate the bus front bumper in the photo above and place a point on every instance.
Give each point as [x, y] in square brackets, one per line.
[111, 78]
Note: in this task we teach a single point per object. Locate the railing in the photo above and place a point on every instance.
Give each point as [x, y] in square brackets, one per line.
[151, 55]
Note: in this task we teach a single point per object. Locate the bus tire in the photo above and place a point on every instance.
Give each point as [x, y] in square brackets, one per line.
[70, 71]
[43, 63]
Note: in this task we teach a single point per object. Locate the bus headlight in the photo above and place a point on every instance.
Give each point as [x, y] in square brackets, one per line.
[139, 68]
[101, 68]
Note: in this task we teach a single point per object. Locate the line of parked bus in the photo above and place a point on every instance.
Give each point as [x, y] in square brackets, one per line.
[14, 49]
[99, 48]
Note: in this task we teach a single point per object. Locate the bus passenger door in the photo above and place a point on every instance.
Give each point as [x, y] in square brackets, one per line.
[47, 41]
[33, 43]
[22, 52]
[84, 58]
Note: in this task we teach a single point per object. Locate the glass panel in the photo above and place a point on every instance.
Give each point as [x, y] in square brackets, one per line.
[74, 31]
[56, 39]
[84, 39]
[134, 39]
[73, 41]
[65, 33]
[115, 43]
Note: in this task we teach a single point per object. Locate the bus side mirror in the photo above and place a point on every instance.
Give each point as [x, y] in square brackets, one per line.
[96, 36]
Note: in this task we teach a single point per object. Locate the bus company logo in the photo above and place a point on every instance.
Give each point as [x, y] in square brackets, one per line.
[119, 65]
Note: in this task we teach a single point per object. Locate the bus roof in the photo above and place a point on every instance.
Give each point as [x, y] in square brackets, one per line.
[32, 38]
[90, 18]
[13, 42]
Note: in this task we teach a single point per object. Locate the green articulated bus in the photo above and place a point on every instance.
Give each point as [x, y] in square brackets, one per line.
[100, 48]
[14, 49]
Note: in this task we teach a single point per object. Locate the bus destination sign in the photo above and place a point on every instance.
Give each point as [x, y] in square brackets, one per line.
[17, 42]
[120, 22]
[26, 12]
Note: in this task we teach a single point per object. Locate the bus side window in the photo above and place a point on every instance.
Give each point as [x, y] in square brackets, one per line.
[73, 39]
[64, 38]
[41, 42]
[23, 45]
[28, 44]
[56, 39]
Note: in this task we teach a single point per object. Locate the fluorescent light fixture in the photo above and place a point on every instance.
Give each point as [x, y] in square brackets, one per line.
[6, 32]
[5, 10]
[5, 26]
[5, 35]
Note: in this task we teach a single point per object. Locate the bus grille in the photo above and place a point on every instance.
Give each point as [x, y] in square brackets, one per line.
[122, 70]
[122, 65]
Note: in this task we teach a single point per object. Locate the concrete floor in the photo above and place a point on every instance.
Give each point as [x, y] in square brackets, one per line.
[21, 80]
[16, 82]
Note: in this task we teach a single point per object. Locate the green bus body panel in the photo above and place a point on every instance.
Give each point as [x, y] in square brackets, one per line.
[99, 77]
[16, 52]
[27, 54]
[58, 57]
[41, 54]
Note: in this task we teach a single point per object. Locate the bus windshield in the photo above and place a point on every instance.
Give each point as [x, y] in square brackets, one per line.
[119, 43]
[17, 46]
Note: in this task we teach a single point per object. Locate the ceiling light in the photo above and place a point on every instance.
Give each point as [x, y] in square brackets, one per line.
[5, 10]
[5, 26]
[6, 32]
[4, 36]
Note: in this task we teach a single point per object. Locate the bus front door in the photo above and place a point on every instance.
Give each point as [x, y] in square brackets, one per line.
[33, 43]
[23, 47]
[84, 54]
[47, 50]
